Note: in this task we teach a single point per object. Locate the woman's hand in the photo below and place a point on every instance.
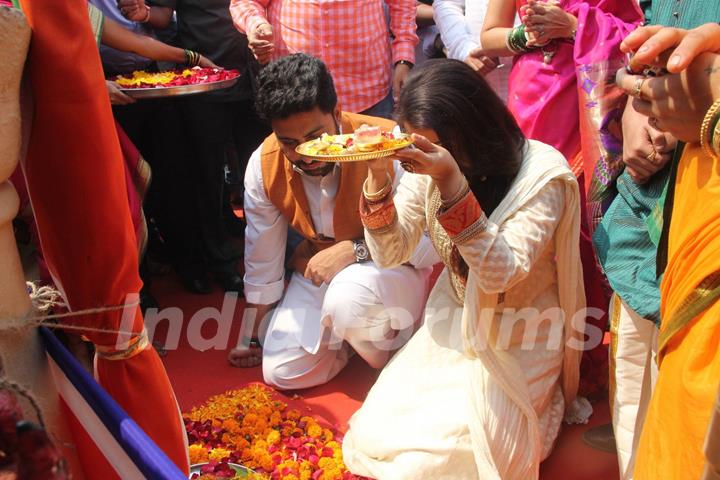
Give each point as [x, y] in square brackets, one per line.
[207, 63]
[378, 170]
[116, 96]
[547, 21]
[653, 44]
[676, 103]
[645, 150]
[435, 161]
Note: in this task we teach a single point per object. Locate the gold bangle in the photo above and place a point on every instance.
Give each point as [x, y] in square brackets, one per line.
[711, 117]
[380, 195]
[715, 142]
[446, 204]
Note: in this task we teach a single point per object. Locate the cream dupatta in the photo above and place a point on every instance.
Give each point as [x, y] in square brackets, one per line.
[479, 312]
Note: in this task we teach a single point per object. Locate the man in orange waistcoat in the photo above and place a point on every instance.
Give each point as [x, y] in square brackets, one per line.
[337, 301]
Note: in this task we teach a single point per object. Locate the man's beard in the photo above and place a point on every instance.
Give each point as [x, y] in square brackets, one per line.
[320, 172]
[317, 172]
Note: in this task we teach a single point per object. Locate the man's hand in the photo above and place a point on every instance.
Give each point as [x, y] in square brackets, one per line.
[261, 42]
[133, 10]
[399, 76]
[324, 265]
[645, 149]
[481, 63]
[116, 96]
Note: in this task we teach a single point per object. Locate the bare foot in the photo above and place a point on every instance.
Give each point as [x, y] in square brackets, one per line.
[245, 357]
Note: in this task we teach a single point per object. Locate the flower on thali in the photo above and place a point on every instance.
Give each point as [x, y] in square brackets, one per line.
[174, 78]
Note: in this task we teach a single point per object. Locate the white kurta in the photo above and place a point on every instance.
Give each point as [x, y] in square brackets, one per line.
[309, 337]
[460, 23]
[416, 422]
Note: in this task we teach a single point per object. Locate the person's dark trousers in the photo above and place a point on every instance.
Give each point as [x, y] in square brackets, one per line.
[220, 133]
[156, 129]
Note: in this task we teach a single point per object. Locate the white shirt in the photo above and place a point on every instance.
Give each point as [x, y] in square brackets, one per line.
[266, 231]
[460, 23]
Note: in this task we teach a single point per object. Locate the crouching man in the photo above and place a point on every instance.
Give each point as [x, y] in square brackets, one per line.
[337, 301]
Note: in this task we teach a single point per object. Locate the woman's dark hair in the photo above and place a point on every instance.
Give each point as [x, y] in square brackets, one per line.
[294, 84]
[471, 121]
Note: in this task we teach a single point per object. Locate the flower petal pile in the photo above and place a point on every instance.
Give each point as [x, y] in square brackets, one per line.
[174, 78]
[252, 427]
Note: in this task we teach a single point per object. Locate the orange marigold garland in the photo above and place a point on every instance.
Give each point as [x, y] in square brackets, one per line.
[251, 427]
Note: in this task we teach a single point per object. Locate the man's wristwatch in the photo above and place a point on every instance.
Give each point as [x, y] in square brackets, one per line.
[362, 254]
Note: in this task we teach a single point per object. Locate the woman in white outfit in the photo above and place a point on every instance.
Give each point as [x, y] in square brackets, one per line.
[480, 390]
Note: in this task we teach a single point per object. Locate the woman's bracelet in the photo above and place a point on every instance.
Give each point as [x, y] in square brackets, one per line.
[708, 130]
[715, 143]
[192, 58]
[459, 195]
[380, 195]
[516, 40]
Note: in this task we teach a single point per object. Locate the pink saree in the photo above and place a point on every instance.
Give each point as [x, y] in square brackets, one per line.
[546, 97]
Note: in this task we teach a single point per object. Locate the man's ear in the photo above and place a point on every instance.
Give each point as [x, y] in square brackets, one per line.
[338, 114]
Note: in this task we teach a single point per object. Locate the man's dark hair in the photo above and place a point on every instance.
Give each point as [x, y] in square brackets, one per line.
[294, 84]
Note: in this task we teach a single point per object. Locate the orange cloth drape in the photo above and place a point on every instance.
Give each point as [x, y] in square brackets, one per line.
[671, 445]
[76, 182]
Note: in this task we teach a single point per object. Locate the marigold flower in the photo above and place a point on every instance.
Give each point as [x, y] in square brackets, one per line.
[314, 431]
[273, 437]
[219, 454]
[251, 427]
[198, 454]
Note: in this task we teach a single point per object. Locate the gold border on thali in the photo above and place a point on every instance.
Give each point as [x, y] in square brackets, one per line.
[355, 156]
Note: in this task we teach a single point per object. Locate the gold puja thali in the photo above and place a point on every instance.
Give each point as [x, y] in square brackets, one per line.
[342, 148]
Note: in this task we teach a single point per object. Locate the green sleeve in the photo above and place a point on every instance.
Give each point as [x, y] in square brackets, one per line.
[97, 20]
[646, 7]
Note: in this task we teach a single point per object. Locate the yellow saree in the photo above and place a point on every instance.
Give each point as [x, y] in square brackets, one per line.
[671, 445]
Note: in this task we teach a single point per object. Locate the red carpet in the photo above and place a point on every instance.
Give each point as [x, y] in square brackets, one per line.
[197, 375]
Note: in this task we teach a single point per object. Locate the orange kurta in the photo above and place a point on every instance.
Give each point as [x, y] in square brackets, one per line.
[284, 187]
[671, 445]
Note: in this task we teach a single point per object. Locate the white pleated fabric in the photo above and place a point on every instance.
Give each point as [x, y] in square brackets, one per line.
[633, 352]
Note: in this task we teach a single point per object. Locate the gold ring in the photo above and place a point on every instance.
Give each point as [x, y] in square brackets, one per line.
[651, 156]
[637, 90]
